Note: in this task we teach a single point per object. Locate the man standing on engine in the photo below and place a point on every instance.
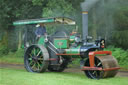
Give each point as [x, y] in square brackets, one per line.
[40, 31]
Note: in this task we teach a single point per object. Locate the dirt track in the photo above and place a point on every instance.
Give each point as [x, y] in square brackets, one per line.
[73, 70]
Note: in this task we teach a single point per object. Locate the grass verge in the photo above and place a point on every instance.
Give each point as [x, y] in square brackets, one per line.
[13, 57]
[21, 77]
[12, 60]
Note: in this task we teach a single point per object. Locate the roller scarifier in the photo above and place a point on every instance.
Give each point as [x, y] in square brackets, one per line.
[54, 52]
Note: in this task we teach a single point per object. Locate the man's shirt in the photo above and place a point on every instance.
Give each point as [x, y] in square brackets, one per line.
[40, 30]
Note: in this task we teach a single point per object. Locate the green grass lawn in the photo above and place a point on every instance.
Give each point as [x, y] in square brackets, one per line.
[13, 57]
[22, 77]
[10, 76]
[12, 60]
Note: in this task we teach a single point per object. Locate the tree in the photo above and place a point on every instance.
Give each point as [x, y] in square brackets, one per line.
[28, 9]
[12, 11]
[120, 36]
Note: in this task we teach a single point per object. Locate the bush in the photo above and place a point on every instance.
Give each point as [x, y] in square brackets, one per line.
[13, 57]
[120, 54]
[3, 50]
[18, 53]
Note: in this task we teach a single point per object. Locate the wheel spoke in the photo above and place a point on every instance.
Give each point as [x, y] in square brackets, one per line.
[34, 51]
[41, 63]
[93, 72]
[38, 66]
[97, 74]
[31, 62]
[98, 64]
[40, 59]
[30, 59]
[33, 65]
[30, 55]
[38, 53]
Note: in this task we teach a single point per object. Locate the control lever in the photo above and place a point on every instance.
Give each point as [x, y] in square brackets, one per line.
[46, 38]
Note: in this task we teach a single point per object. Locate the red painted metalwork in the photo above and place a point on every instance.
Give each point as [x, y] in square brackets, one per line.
[90, 68]
[52, 59]
[92, 55]
[67, 54]
[102, 46]
[110, 69]
[98, 68]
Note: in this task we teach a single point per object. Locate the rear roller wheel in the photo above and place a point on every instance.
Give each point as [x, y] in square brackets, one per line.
[103, 62]
[36, 58]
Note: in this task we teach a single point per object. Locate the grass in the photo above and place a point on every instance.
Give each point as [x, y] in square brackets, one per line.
[13, 57]
[12, 60]
[22, 77]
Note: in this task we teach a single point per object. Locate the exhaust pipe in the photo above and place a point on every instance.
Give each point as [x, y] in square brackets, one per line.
[85, 25]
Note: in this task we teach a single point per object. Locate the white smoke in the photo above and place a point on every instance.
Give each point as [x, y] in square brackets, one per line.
[88, 4]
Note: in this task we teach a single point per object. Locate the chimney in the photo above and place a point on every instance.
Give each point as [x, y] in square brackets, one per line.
[85, 25]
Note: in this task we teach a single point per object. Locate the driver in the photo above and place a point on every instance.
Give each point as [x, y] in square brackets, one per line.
[40, 31]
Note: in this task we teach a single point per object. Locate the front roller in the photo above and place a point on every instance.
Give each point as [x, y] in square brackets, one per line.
[101, 66]
[36, 58]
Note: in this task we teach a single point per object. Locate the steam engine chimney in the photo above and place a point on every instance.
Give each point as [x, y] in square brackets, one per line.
[85, 25]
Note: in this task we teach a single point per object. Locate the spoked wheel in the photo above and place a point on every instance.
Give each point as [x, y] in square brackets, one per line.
[94, 74]
[36, 58]
[103, 62]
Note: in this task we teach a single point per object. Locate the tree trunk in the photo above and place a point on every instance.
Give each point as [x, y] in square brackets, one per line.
[19, 39]
[5, 39]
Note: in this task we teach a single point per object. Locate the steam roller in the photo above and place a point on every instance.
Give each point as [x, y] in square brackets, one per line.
[100, 66]
[55, 51]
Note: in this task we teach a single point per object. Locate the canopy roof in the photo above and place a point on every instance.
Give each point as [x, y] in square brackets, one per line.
[60, 20]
